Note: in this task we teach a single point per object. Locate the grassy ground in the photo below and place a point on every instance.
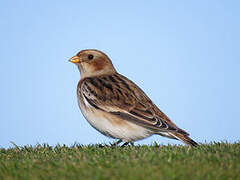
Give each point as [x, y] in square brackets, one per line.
[212, 161]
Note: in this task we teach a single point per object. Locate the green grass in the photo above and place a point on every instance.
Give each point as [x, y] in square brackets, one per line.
[209, 161]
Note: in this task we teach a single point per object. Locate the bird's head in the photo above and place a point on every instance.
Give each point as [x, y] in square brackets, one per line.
[93, 62]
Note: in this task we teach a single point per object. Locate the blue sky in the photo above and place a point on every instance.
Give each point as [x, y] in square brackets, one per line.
[184, 54]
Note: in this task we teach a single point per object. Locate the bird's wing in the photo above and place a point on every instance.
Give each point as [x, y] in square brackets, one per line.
[121, 97]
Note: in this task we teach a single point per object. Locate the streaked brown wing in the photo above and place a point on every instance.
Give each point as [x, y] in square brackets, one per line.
[121, 97]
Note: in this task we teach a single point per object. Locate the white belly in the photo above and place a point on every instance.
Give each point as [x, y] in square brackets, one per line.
[126, 131]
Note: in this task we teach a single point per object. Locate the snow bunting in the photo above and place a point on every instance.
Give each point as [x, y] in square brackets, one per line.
[116, 106]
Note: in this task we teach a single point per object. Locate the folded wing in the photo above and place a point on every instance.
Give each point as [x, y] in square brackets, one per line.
[119, 96]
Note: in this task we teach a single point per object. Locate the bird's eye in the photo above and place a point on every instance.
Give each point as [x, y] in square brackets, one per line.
[90, 56]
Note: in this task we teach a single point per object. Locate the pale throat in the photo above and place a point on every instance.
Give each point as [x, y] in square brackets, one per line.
[91, 71]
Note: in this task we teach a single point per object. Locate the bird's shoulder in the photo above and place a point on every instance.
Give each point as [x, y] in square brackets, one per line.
[118, 90]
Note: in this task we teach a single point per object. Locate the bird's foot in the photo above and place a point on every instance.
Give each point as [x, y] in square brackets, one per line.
[116, 143]
[126, 143]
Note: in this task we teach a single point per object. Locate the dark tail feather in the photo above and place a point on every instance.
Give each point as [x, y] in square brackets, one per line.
[192, 142]
[185, 139]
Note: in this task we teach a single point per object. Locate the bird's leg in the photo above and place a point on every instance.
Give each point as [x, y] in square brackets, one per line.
[124, 144]
[116, 143]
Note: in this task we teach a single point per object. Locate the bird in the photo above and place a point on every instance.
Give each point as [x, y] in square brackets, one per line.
[116, 106]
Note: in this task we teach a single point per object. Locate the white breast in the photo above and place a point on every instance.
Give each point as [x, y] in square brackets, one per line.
[104, 123]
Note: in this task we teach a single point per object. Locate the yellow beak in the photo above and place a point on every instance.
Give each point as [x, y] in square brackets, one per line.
[75, 59]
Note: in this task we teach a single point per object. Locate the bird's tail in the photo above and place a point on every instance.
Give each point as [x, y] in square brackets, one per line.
[184, 138]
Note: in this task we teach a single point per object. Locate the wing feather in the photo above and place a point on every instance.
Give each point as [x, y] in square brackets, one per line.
[119, 96]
